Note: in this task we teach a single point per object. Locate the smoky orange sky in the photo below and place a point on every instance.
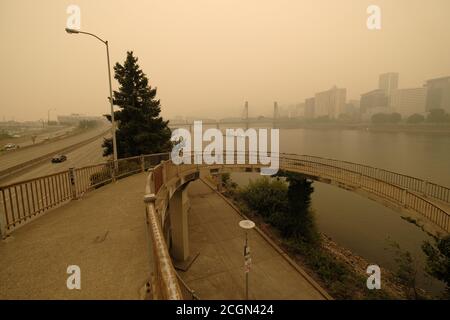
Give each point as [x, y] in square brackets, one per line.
[207, 57]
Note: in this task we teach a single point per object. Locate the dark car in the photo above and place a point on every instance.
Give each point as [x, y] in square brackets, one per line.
[59, 158]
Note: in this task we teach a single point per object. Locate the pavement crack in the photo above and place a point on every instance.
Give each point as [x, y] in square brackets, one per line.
[99, 239]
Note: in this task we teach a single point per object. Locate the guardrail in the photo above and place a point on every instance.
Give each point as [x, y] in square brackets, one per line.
[368, 180]
[24, 200]
[164, 277]
[426, 188]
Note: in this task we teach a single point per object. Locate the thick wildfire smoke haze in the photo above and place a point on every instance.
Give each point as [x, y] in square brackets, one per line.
[208, 57]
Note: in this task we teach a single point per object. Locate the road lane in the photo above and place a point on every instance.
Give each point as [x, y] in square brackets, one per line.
[92, 153]
[40, 134]
[11, 159]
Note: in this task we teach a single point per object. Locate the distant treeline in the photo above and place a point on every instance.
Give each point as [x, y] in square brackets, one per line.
[87, 124]
[434, 116]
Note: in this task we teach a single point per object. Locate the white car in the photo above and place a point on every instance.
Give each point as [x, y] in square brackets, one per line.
[10, 146]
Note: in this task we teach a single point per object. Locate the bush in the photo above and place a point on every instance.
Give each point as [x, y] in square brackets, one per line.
[438, 116]
[285, 206]
[386, 118]
[438, 261]
[265, 196]
[415, 118]
[87, 124]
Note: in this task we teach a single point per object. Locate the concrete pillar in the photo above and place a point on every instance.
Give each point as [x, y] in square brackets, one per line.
[178, 210]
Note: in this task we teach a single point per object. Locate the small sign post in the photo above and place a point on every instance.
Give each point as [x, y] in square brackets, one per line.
[246, 225]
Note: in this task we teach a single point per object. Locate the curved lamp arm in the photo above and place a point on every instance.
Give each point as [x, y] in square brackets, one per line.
[68, 30]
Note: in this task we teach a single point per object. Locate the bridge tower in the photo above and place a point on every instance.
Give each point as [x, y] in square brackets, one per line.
[275, 113]
[245, 114]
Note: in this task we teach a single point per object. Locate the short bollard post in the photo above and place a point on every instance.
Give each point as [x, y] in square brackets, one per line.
[73, 188]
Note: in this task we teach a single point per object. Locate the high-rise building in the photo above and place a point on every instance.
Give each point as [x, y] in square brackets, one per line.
[388, 82]
[373, 99]
[408, 101]
[330, 103]
[309, 108]
[295, 110]
[351, 108]
[372, 102]
[438, 94]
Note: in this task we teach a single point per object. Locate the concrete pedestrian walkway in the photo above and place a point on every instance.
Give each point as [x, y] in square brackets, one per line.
[218, 271]
[104, 233]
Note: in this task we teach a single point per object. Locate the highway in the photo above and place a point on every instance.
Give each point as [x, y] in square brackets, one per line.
[91, 153]
[41, 136]
[14, 158]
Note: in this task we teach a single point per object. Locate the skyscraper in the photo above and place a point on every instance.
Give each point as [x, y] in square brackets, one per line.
[330, 103]
[388, 82]
[310, 108]
[438, 94]
[408, 101]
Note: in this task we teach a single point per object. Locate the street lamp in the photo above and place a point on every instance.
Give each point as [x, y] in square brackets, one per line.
[113, 129]
[246, 225]
[48, 115]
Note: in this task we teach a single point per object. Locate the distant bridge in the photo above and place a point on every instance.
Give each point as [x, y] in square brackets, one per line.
[245, 121]
[425, 202]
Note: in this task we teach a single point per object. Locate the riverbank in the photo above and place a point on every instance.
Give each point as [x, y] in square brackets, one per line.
[338, 260]
[341, 272]
[394, 128]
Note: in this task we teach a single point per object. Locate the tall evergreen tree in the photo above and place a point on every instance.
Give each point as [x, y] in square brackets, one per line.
[140, 129]
[300, 217]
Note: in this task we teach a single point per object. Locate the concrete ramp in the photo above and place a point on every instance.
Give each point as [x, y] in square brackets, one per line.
[104, 233]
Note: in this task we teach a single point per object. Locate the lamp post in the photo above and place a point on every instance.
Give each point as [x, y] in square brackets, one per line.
[246, 225]
[113, 129]
[48, 116]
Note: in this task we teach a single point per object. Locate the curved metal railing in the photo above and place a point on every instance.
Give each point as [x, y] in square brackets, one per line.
[426, 188]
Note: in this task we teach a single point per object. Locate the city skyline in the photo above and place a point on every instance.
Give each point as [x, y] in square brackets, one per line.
[255, 51]
[406, 101]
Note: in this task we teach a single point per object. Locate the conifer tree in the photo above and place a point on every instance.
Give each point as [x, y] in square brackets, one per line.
[140, 128]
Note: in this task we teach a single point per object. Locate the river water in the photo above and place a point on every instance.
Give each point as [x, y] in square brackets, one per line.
[355, 222]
